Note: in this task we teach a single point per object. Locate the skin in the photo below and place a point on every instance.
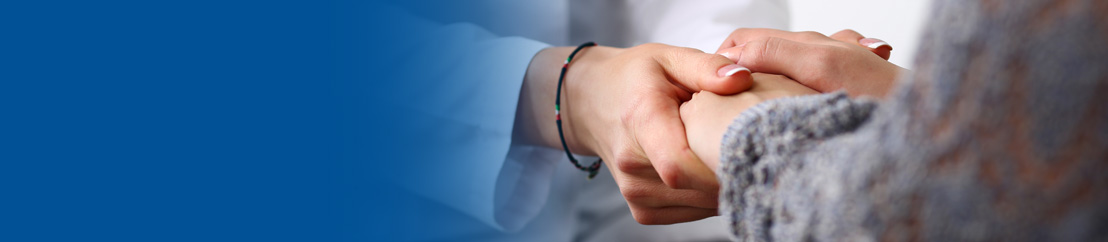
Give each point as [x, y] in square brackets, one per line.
[808, 63]
[708, 115]
[622, 105]
[823, 63]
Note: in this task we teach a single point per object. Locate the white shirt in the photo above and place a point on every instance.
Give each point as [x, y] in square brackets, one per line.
[476, 181]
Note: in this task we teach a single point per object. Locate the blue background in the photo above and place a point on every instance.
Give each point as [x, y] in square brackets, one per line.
[193, 121]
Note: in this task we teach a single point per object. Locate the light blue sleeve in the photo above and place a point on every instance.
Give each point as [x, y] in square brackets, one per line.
[455, 96]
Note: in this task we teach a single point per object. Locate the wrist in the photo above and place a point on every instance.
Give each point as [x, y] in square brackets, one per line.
[535, 117]
[581, 100]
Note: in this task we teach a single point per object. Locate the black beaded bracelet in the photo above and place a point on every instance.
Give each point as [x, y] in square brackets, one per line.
[591, 169]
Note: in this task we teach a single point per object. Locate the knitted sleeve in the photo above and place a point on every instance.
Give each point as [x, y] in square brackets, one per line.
[756, 148]
[1001, 133]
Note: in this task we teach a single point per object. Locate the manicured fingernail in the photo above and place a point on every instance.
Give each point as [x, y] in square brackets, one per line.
[730, 70]
[727, 54]
[873, 43]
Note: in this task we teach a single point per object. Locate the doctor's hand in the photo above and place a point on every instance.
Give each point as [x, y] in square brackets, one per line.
[623, 105]
[845, 60]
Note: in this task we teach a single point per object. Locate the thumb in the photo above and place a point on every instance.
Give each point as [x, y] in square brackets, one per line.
[699, 71]
[778, 56]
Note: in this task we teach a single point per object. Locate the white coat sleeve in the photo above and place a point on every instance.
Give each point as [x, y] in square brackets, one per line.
[456, 88]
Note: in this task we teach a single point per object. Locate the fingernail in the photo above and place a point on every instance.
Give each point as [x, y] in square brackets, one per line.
[873, 43]
[726, 54]
[732, 55]
[730, 70]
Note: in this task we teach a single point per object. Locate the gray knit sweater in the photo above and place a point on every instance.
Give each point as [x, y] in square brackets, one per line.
[1000, 134]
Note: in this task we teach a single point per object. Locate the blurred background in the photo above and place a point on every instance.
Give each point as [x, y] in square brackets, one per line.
[897, 22]
[236, 120]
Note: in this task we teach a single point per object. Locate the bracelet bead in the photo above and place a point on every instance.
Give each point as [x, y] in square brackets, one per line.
[595, 166]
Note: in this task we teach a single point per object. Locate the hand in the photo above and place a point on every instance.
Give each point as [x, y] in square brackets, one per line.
[622, 104]
[628, 101]
[842, 61]
[708, 115]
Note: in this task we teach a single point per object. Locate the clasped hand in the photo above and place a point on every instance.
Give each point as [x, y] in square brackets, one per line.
[632, 106]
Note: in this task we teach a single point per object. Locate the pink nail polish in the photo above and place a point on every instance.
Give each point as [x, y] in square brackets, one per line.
[730, 70]
[873, 43]
[726, 54]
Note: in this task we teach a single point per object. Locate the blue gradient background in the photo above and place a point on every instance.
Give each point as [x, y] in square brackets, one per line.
[199, 121]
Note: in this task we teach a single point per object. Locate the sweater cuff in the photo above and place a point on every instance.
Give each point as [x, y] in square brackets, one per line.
[783, 128]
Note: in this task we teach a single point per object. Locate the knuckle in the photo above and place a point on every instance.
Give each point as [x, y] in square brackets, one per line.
[628, 159]
[810, 35]
[671, 175]
[634, 193]
[627, 164]
[646, 216]
[847, 32]
[754, 53]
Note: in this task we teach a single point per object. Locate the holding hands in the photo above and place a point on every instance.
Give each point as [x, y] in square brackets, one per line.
[656, 113]
[808, 63]
[708, 115]
[623, 105]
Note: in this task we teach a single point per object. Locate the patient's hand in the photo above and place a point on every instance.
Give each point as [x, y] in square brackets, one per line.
[707, 115]
[844, 60]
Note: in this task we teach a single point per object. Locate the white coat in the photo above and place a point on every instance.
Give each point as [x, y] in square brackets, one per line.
[479, 185]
